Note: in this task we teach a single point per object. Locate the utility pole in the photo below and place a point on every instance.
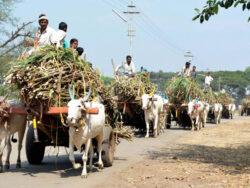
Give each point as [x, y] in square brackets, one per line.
[189, 56]
[131, 32]
[219, 83]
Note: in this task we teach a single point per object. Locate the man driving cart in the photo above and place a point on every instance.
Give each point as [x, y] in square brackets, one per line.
[128, 68]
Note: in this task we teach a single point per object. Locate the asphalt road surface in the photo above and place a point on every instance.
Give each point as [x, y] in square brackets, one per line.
[56, 171]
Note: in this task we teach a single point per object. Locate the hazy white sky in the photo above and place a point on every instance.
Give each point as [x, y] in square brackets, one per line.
[165, 30]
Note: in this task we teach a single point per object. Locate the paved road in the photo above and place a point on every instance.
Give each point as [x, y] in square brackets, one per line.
[57, 171]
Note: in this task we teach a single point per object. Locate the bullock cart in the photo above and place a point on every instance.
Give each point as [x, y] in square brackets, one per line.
[128, 92]
[180, 91]
[43, 81]
[245, 106]
[225, 99]
[130, 112]
[47, 129]
[245, 110]
[179, 114]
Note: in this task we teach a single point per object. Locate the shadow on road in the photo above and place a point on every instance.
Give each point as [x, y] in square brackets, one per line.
[237, 160]
[53, 165]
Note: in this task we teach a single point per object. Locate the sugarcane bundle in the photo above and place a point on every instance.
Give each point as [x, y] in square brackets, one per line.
[246, 102]
[209, 97]
[181, 88]
[45, 78]
[129, 88]
[224, 98]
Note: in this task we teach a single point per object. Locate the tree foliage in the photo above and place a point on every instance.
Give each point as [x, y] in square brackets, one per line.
[12, 38]
[212, 8]
[11, 42]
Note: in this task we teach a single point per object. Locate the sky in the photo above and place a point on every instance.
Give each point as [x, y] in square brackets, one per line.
[164, 32]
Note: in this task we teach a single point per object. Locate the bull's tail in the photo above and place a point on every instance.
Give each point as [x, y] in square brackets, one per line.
[14, 140]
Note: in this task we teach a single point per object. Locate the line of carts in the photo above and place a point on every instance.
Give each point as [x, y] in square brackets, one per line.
[47, 128]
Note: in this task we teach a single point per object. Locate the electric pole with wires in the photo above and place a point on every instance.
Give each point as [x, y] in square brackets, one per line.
[131, 32]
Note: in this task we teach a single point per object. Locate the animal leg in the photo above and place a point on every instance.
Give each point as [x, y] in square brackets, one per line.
[71, 155]
[147, 127]
[156, 127]
[7, 163]
[197, 122]
[85, 158]
[99, 149]
[91, 153]
[20, 141]
[193, 124]
[2, 146]
[205, 121]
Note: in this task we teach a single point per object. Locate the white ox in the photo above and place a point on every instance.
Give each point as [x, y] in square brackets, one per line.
[152, 106]
[83, 128]
[198, 112]
[231, 109]
[218, 108]
[15, 123]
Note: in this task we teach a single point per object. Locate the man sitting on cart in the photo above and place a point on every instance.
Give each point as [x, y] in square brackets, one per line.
[128, 68]
[185, 71]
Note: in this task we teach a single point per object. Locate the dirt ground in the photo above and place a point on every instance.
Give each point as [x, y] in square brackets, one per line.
[212, 157]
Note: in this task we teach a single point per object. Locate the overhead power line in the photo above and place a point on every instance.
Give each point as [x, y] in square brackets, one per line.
[146, 24]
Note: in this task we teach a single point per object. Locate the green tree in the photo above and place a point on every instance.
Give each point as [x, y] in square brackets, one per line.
[12, 38]
[11, 42]
[247, 71]
[212, 8]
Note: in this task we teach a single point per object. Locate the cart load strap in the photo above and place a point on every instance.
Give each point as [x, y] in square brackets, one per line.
[50, 111]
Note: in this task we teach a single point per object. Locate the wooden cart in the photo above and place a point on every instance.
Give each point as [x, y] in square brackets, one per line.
[130, 112]
[245, 110]
[47, 129]
[179, 114]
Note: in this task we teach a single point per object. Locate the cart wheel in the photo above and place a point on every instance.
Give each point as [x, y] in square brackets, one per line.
[168, 125]
[34, 151]
[108, 147]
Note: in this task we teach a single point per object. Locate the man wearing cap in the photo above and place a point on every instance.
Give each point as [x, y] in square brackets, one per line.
[185, 71]
[45, 34]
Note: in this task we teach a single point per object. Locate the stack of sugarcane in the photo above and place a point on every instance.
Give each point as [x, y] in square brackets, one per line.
[224, 98]
[209, 97]
[181, 88]
[129, 88]
[44, 80]
[246, 102]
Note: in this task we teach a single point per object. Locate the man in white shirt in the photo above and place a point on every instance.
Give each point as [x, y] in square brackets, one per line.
[128, 68]
[44, 35]
[208, 80]
[60, 35]
[185, 71]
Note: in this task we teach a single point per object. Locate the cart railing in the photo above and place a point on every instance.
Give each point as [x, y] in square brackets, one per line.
[49, 111]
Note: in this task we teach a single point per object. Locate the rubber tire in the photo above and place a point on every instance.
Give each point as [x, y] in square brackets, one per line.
[34, 151]
[108, 148]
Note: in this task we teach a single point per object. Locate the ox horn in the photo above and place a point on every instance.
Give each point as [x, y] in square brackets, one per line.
[87, 96]
[143, 90]
[189, 98]
[70, 94]
[164, 96]
[152, 92]
[4, 99]
[197, 100]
